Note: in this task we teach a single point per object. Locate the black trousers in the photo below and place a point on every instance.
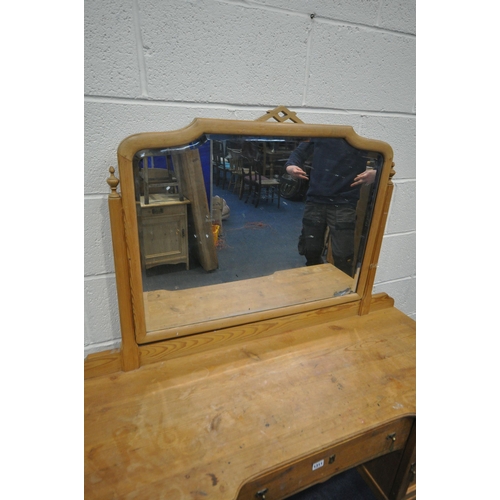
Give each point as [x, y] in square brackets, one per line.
[341, 219]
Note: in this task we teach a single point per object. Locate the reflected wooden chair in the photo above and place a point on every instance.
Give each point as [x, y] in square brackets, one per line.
[260, 184]
[236, 168]
[247, 182]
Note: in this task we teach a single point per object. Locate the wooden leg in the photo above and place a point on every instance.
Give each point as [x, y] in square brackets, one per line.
[257, 196]
[249, 192]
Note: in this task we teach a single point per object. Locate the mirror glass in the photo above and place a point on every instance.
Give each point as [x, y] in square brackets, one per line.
[220, 225]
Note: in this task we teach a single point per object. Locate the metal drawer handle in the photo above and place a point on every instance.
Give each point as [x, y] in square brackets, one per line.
[392, 438]
[261, 494]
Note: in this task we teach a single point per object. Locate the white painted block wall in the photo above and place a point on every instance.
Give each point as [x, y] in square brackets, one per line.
[154, 65]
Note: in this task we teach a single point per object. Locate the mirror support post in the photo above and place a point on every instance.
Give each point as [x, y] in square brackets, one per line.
[129, 348]
[364, 307]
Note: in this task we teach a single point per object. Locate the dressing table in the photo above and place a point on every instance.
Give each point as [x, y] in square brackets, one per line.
[313, 377]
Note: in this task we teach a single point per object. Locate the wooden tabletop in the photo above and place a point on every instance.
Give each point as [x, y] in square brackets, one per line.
[201, 426]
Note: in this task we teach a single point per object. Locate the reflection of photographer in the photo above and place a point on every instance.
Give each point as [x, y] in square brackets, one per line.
[338, 171]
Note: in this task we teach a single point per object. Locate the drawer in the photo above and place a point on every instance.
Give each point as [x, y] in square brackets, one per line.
[320, 466]
[177, 209]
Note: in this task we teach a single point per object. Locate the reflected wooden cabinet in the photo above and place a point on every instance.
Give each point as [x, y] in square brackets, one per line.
[163, 232]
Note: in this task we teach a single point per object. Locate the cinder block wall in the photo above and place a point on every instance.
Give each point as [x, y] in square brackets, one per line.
[154, 65]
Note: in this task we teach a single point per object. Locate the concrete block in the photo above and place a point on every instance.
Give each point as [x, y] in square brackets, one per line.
[397, 257]
[355, 11]
[101, 320]
[98, 255]
[398, 15]
[400, 133]
[111, 64]
[357, 68]
[403, 209]
[403, 292]
[220, 52]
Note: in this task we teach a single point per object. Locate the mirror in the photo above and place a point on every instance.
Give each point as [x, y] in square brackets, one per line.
[214, 222]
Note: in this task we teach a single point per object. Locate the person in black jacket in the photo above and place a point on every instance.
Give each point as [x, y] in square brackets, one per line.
[337, 173]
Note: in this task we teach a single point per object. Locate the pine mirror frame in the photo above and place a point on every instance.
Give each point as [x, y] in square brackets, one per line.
[124, 229]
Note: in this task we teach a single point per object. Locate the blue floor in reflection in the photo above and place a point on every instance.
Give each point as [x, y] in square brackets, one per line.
[255, 242]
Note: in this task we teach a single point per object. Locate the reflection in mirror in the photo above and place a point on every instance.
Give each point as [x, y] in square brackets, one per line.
[224, 209]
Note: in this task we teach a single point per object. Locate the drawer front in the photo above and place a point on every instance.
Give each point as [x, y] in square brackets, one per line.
[318, 467]
[177, 209]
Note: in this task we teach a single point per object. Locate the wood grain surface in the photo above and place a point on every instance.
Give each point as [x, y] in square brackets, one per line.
[169, 308]
[201, 426]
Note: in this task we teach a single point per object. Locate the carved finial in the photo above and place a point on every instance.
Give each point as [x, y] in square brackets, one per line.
[280, 114]
[113, 183]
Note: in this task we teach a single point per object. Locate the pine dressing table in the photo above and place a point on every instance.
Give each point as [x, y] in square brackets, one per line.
[307, 382]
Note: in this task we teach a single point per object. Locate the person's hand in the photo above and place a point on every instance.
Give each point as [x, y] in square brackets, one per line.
[296, 172]
[365, 178]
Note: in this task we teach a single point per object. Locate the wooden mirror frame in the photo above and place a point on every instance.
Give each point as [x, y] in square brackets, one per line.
[140, 347]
